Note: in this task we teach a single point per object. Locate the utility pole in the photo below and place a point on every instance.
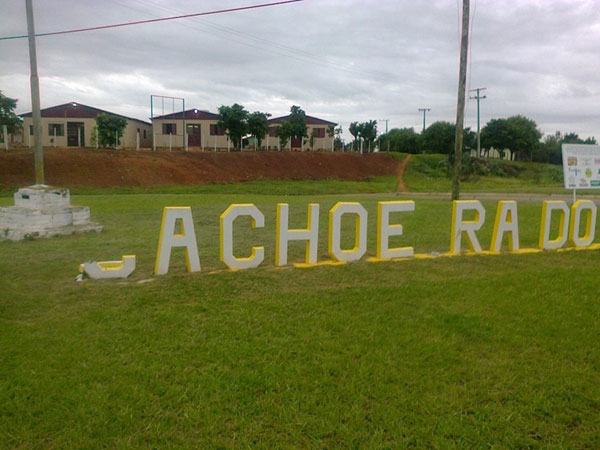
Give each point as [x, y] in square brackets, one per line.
[424, 113]
[460, 107]
[478, 97]
[386, 136]
[35, 98]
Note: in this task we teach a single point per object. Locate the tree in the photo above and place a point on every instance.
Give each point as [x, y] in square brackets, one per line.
[331, 134]
[109, 127]
[550, 150]
[469, 140]
[13, 123]
[404, 140]
[517, 133]
[94, 136]
[258, 125]
[368, 133]
[354, 131]
[439, 138]
[285, 131]
[297, 120]
[573, 138]
[233, 120]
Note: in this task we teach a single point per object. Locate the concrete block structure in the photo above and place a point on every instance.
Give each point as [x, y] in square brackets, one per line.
[43, 211]
[71, 125]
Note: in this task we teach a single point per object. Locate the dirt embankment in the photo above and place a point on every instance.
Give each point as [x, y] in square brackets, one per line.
[111, 168]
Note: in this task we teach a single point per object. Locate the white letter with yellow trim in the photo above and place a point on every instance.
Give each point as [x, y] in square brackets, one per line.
[469, 227]
[506, 221]
[385, 230]
[335, 232]
[590, 225]
[109, 269]
[548, 207]
[169, 239]
[227, 218]
[284, 235]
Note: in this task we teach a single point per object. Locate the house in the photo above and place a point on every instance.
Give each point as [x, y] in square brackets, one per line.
[71, 125]
[201, 126]
[317, 131]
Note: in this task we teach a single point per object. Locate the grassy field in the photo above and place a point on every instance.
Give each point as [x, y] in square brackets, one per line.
[484, 351]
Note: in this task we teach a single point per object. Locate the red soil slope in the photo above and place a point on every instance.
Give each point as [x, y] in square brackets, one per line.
[110, 168]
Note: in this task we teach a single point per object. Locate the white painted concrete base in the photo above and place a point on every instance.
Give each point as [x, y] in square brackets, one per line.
[43, 211]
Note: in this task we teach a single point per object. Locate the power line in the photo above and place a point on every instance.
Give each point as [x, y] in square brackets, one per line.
[161, 19]
[273, 47]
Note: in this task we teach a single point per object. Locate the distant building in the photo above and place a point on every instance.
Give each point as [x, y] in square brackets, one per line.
[317, 130]
[71, 124]
[204, 133]
[202, 130]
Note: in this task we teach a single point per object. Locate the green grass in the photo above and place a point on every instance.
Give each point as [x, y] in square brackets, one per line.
[484, 351]
[429, 173]
[376, 184]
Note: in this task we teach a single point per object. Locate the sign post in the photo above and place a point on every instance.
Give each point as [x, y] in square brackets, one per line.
[581, 167]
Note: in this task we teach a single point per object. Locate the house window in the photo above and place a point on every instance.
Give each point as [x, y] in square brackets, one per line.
[319, 132]
[169, 128]
[56, 129]
[30, 130]
[216, 130]
[144, 134]
[272, 131]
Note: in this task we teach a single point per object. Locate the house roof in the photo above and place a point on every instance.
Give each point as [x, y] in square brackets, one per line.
[310, 120]
[74, 110]
[190, 114]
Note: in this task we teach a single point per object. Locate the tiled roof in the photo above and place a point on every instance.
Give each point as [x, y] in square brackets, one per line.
[190, 114]
[74, 110]
[310, 120]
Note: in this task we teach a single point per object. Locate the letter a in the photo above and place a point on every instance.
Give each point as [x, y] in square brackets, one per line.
[169, 239]
[506, 222]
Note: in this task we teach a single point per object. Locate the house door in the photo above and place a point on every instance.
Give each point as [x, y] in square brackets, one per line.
[296, 142]
[75, 134]
[194, 136]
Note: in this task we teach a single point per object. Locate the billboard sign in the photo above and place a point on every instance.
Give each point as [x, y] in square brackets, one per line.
[581, 166]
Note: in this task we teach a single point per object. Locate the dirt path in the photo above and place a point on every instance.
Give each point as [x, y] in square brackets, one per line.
[401, 187]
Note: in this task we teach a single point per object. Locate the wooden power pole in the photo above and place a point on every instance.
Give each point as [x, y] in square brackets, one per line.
[460, 107]
[35, 98]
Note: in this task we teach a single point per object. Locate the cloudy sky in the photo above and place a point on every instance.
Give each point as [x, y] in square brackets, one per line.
[340, 60]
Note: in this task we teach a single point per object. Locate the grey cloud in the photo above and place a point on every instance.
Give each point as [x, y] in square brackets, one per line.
[343, 60]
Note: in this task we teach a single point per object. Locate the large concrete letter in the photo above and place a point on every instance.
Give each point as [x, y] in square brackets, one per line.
[590, 225]
[547, 207]
[385, 230]
[469, 227]
[507, 221]
[168, 239]
[226, 238]
[284, 235]
[335, 232]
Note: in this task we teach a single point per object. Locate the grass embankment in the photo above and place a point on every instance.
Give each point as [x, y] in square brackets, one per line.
[429, 173]
[499, 351]
[376, 184]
